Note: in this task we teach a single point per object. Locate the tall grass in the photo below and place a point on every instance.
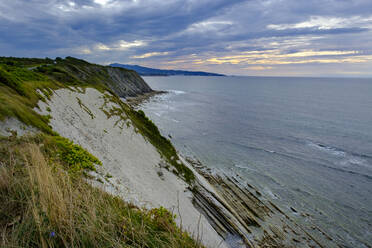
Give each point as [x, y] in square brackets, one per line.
[43, 206]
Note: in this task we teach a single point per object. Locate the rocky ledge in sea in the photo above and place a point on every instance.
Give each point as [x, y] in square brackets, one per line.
[246, 218]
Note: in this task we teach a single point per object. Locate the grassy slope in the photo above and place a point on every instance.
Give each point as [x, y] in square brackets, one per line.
[25, 220]
[18, 95]
[45, 206]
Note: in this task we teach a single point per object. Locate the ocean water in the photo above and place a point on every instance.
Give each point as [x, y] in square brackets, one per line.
[306, 143]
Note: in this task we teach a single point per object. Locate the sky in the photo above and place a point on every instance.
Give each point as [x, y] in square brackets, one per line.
[234, 37]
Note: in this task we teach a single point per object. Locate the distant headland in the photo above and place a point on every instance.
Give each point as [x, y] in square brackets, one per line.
[146, 71]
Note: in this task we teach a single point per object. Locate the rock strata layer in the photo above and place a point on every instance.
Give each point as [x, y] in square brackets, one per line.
[242, 215]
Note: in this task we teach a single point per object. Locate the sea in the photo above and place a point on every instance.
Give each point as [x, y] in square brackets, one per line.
[305, 143]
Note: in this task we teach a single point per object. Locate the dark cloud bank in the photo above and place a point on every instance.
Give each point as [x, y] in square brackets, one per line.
[272, 37]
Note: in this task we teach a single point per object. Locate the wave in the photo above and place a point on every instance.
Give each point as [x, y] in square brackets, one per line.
[269, 193]
[291, 156]
[347, 157]
[249, 147]
[328, 149]
[338, 150]
[241, 166]
[177, 92]
[166, 98]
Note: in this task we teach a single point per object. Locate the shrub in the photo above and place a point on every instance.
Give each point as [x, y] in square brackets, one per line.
[74, 156]
[10, 80]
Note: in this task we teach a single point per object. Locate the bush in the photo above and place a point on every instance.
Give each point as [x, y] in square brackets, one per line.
[74, 156]
[11, 81]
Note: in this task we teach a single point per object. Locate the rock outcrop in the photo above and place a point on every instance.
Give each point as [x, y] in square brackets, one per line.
[123, 82]
[241, 214]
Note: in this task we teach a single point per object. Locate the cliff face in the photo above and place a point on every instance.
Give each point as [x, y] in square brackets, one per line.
[123, 82]
[127, 83]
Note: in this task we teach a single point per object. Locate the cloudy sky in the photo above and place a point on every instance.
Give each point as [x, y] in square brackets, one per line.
[251, 37]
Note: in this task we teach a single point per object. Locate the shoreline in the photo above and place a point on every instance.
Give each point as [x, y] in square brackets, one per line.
[137, 100]
[241, 214]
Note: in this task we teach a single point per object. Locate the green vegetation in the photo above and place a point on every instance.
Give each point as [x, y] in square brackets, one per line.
[74, 156]
[43, 206]
[164, 146]
[20, 91]
[74, 159]
[115, 111]
[85, 108]
[25, 62]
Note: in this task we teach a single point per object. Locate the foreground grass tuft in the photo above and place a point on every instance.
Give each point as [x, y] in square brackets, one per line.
[43, 206]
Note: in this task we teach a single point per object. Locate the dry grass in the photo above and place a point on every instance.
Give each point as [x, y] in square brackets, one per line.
[43, 206]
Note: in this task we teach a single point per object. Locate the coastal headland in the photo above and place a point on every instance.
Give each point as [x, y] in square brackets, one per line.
[69, 115]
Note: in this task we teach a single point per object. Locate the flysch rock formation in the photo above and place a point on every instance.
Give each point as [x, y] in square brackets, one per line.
[137, 171]
[238, 209]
